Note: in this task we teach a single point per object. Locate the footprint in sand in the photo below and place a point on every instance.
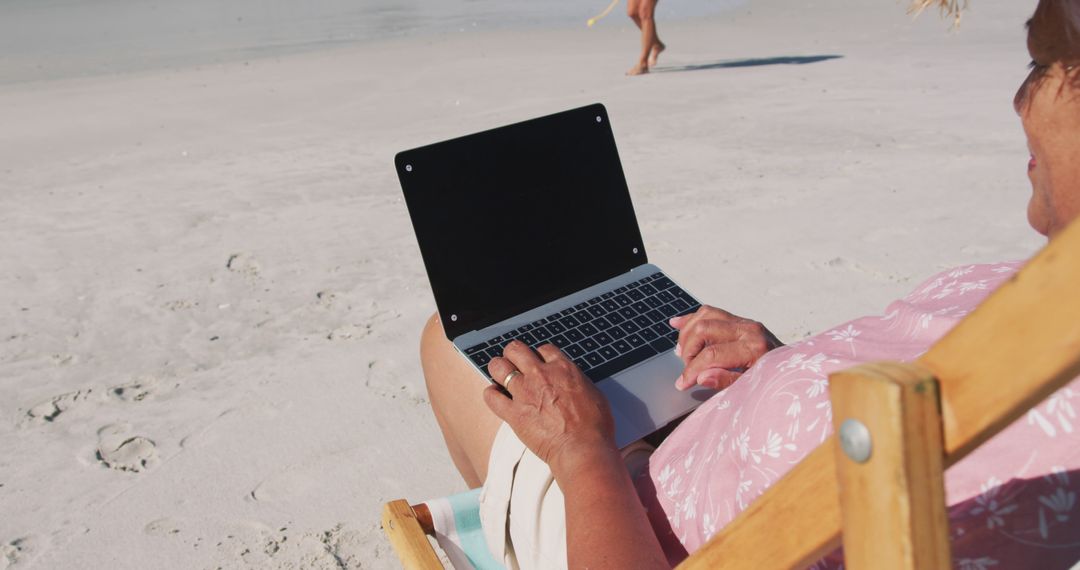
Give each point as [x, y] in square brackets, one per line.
[141, 389]
[19, 552]
[118, 449]
[51, 409]
[245, 264]
[257, 545]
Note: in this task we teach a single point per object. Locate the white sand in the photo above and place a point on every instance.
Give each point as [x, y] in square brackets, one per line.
[210, 295]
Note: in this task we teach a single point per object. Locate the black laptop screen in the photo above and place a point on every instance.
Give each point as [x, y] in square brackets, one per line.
[515, 217]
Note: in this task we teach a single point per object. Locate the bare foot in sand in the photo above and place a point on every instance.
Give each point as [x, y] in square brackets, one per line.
[639, 69]
[654, 54]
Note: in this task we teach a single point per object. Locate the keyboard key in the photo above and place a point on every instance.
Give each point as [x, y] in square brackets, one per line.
[559, 341]
[622, 346]
[587, 329]
[581, 306]
[619, 290]
[628, 312]
[610, 305]
[574, 335]
[603, 338]
[630, 327]
[622, 300]
[494, 352]
[655, 275]
[565, 312]
[678, 292]
[597, 311]
[583, 316]
[591, 344]
[663, 283]
[582, 364]
[648, 334]
[528, 339]
[607, 295]
[556, 328]
[673, 336]
[616, 332]
[640, 307]
[603, 324]
[474, 349]
[541, 333]
[635, 341]
[668, 311]
[680, 305]
[620, 363]
[653, 302]
[643, 321]
[655, 316]
[661, 344]
[648, 289]
[608, 353]
[575, 351]
[480, 358]
[635, 294]
[569, 322]
[526, 328]
[594, 359]
[661, 328]
[495, 340]
[615, 318]
[665, 296]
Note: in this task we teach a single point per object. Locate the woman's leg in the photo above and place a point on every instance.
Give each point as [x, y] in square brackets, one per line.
[454, 388]
[651, 46]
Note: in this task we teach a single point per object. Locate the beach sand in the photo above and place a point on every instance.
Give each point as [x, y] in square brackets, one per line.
[211, 295]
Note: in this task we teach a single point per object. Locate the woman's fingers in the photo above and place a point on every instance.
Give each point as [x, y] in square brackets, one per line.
[550, 352]
[702, 333]
[721, 363]
[521, 356]
[499, 368]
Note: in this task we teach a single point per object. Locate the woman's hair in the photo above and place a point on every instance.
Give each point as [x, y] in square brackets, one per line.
[1053, 37]
[1054, 33]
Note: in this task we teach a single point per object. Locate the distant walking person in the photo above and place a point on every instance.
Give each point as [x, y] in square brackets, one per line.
[641, 12]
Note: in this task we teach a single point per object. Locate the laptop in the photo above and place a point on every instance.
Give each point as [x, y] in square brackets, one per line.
[527, 232]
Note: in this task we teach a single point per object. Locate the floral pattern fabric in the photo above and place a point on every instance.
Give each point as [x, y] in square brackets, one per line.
[1012, 503]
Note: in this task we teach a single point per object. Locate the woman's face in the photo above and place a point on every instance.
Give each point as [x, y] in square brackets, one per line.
[1048, 103]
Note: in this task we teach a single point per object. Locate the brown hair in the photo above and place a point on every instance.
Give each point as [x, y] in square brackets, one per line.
[1054, 33]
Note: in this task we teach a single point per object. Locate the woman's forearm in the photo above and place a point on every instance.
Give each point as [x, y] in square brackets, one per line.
[606, 526]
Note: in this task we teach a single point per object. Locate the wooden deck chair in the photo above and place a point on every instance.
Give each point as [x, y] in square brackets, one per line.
[917, 419]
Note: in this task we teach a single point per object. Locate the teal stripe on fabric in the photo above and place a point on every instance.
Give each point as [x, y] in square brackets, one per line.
[466, 507]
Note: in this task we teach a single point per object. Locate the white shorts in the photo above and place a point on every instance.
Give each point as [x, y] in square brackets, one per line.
[521, 506]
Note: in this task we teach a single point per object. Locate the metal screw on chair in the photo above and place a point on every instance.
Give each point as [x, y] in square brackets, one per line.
[855, 440]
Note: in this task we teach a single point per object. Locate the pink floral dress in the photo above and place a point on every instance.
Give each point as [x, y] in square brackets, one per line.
[1012, 503]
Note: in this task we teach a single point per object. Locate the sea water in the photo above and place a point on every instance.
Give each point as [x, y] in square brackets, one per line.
[53, 39]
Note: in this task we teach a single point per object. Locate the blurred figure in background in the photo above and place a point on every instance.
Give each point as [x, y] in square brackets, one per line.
[642, 12]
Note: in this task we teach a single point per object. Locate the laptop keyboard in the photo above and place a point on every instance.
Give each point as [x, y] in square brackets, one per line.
[606, 334]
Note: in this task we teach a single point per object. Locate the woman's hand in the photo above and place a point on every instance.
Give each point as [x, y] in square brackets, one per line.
[718, 346]
[556, 411]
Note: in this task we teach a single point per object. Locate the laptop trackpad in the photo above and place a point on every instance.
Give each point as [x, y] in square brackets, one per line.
[644, 399]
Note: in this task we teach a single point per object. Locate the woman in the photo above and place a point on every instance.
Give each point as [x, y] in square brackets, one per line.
[643, 12]
[1013, 502]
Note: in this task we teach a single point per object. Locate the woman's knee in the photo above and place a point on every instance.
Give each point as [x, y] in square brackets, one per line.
[645, 10]
[432, 338]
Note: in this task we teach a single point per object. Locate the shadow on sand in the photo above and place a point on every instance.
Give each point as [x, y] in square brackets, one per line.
[755, 62]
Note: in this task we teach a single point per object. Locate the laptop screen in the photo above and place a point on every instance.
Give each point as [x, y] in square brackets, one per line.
[516, 217]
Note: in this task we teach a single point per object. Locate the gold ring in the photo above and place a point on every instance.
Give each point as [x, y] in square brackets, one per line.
[509, 377]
